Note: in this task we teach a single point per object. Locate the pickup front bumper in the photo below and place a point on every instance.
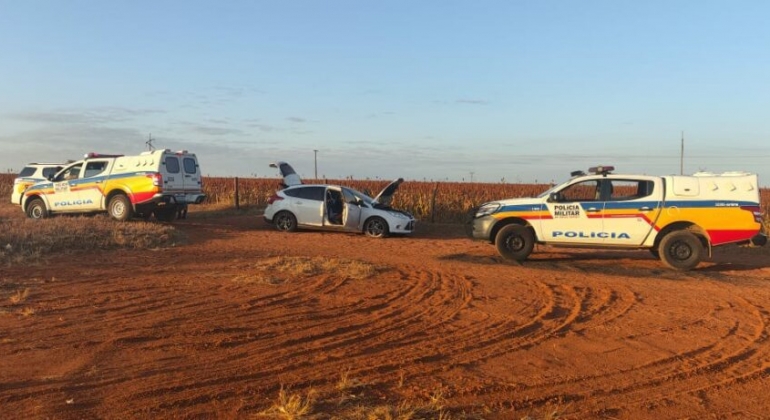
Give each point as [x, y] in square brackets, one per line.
[480, 227]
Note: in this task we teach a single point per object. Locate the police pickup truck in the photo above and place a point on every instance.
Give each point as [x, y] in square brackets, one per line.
[678, 218]
[160, 183]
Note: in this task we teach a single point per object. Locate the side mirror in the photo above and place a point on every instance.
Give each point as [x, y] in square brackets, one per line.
[51, 176]
[554, 197]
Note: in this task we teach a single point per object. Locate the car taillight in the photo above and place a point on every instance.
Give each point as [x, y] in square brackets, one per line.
[756, 211]
[274, 198]
[157, 179]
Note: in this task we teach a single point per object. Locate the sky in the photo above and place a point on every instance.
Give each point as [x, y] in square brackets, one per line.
[485, 91]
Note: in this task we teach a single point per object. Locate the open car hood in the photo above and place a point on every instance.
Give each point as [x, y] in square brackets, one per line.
[290, 177]
[386, 195]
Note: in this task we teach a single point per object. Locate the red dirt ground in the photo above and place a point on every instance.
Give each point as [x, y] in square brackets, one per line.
[183, 332]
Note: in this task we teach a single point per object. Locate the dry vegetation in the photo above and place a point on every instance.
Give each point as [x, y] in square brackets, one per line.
[440, 202]
[27, 241]
[281, 269]
[357, 404]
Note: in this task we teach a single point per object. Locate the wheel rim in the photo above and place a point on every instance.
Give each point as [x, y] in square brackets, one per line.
[36, 212]
[375, 228]
[680, 251]
[283, 222]
[118, 208]
[514, 243]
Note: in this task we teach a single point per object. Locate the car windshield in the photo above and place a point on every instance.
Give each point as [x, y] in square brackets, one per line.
[358, 194]
[547, 192]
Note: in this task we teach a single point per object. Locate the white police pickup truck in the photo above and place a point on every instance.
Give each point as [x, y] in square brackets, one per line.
[678, 218]
[160, 183]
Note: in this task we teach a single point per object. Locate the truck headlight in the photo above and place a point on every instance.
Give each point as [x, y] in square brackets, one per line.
[487, 208]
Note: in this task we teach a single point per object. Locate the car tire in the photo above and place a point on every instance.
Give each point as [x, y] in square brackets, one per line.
[376, 227]
[285, 221]
[515, 242]
[681, 250]
[36, 209]
[120, 208]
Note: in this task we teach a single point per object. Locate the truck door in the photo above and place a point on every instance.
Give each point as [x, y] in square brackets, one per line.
[92, 182]
[66, 190]
[192, 177]
[575, 215]
[631, 208]
[173, 176]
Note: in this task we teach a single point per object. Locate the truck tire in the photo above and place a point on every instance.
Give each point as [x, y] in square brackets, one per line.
[36, 209]
[515, 242]
[680, 250]
[285, 221]
[120, 208]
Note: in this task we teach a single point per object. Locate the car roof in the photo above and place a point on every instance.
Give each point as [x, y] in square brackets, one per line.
[291, 187]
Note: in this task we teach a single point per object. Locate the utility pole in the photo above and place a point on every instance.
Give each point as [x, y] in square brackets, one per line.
[471, 175]
[681, 157]
[315, 162]
[150, 147]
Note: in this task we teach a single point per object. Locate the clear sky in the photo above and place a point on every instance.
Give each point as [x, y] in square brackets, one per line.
[517, 90]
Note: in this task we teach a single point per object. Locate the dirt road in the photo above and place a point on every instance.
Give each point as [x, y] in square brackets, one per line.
[215, 326]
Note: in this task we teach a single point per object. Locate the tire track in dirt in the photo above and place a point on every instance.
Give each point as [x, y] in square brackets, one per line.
[194, 339]
[737, 355]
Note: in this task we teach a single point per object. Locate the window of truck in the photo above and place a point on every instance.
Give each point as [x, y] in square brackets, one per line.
[172, 164]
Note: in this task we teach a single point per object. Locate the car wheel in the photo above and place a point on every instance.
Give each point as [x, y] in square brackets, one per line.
[376, 227]
[285, 221]
[36, 209]
[120, 208]
[515, 242]
[165, 214]
[681, 250]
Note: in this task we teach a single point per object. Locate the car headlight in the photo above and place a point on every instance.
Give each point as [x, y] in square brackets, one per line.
[397, 214]
[487, 208]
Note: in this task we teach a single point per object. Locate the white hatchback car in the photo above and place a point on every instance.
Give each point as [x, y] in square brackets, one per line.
[334, 207]
[31, 174]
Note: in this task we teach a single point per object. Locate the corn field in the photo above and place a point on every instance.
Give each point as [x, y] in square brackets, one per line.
[442, 202]
[450, 201]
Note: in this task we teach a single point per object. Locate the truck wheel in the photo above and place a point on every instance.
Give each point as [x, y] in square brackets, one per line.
[680, 250]
[515, 242]
[376, 227]
[119, 208]
[36, 209]
[285, 221]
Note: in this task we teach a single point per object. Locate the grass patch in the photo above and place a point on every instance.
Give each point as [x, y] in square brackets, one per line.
[19, 296]
[279, 270]
[25, 241]
[291, 406]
